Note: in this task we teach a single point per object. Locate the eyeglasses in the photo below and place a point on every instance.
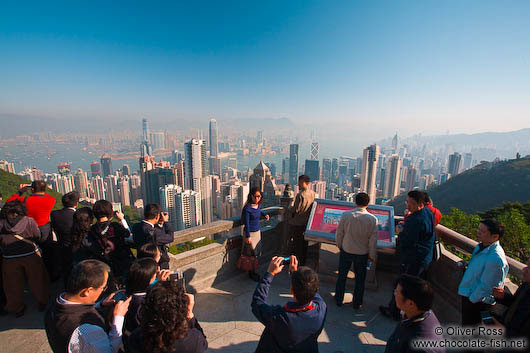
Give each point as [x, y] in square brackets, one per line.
[257, 196]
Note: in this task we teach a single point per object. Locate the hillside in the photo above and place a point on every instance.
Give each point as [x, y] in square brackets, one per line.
[9, 185]
[484, 187]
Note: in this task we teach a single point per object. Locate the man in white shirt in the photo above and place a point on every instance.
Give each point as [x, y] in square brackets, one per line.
[72, 322]
[356, 238]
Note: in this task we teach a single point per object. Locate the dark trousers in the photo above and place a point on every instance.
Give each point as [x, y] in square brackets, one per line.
[471, 311]
[359, 268]
[300, 244]
[413, 269]
[51, 253]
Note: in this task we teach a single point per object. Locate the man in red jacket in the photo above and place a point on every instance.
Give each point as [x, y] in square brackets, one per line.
[39, 206]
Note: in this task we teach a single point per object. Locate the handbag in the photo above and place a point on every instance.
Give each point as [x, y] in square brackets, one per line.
[247, 263]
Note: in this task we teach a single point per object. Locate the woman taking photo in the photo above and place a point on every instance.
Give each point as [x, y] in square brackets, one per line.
[250, 217]
[167, 323]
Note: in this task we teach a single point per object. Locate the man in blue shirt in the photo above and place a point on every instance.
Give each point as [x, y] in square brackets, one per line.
[295, 327]
[415, 243]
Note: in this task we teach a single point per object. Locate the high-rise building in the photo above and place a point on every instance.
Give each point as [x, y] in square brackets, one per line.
[106, 164]
[285, 170]
[98, 188]
[312, 169]
[214, 147]
[395, 144]
[111, 187]
[81, 183]
[293, 163]
[167, 202]
[176, 157]
[392, 177]
[154, 179]
[145, 148]
[335, 170]
[95, 169]
[343, 174]
[468, 159]
[179, 173]
[188, 209]
[260, 175]
[7, 167]
[272, 168]
[326, 170]
[206, 199]
[319, 187]
[369, 171]
[232, 163]
[314, 151]
[195, 164]
[215, 165]
[135, 185]
[454, 164]
[158, 140]
[412, 175]
[125, 191]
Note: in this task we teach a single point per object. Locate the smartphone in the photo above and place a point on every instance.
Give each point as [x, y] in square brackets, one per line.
[286, 261]
[487, 319]
[121, 296]
[179, 277]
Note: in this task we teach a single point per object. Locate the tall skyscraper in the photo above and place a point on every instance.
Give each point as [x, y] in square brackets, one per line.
[154, 179]
[126, 169]
[195, 164]
[369, 171]
[81, 183]
[395, 144]
[260, 174]
[111, 187]
[167, 202]
[145, 148]
[206, 199]
[454, 164]
[98, 187]
[392, 177]
[125, 191]
[314, 151]
[312, 169]
[285, 170]
[468, 158]
[106, 164]
[214, 147]
[335, 170]
[188, 209]
[293, 163]
[412, 175]
[326, 170]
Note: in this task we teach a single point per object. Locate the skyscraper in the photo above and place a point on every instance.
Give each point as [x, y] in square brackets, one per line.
[81, 183]
[195, 163]
[326, 170]
[335, 170]
[111, 187]
[312, 169]
[214, 147]
[145, 148]
[167, 202]
[98, 187]
[285, 170]
[188, 209]
[368, 173]
[158, 140]
[392, 177]
[412, 175]
[468, 157]
[126, 169]
[314, 151]
[125, 191]
[293, 163]
[95, 169]
[206, 199]
[395, 144]
[454, 164]
[153, 180]
[106, 164]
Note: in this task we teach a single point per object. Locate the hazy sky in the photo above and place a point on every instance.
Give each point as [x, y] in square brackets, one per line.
[381, 66]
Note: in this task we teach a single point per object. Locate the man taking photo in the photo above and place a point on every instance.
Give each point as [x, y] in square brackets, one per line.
[295, 327]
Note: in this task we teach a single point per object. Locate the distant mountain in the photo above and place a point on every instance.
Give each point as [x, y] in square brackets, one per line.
[481, 188]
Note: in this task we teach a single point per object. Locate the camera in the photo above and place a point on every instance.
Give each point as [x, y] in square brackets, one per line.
[179, 277]
[121, 296]
[286, 261]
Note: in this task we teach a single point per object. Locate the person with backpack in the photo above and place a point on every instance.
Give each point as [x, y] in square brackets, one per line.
[22, 261]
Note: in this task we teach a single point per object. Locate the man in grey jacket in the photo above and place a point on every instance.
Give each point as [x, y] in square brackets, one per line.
[356, 238]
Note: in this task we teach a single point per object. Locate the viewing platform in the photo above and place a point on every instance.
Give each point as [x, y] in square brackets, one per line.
[223, 293]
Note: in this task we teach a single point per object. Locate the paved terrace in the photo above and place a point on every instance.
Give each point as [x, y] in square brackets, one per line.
[223, 294]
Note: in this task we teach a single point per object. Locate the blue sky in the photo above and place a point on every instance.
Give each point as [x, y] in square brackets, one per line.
[380, 66]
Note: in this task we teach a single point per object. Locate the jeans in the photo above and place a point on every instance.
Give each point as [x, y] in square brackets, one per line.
[359, 268]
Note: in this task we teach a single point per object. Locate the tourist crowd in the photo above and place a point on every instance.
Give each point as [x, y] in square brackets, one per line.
[116, 301]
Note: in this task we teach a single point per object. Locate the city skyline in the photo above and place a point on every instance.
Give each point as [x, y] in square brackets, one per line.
[379, 68]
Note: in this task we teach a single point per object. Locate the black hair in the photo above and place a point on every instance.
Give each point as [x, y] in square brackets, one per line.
[70, 199]
[12, 208]
[417, 290]
[418, 196]
[38, 186]
[305, 284]
[148, 250]
[87, 274]
[304, 178]
[163, 317]
[427, 198]
[103, 208]
[152, 210]
[140, 274]
[83, 219]
[362, 199]
[251, 193]
[494, 227]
